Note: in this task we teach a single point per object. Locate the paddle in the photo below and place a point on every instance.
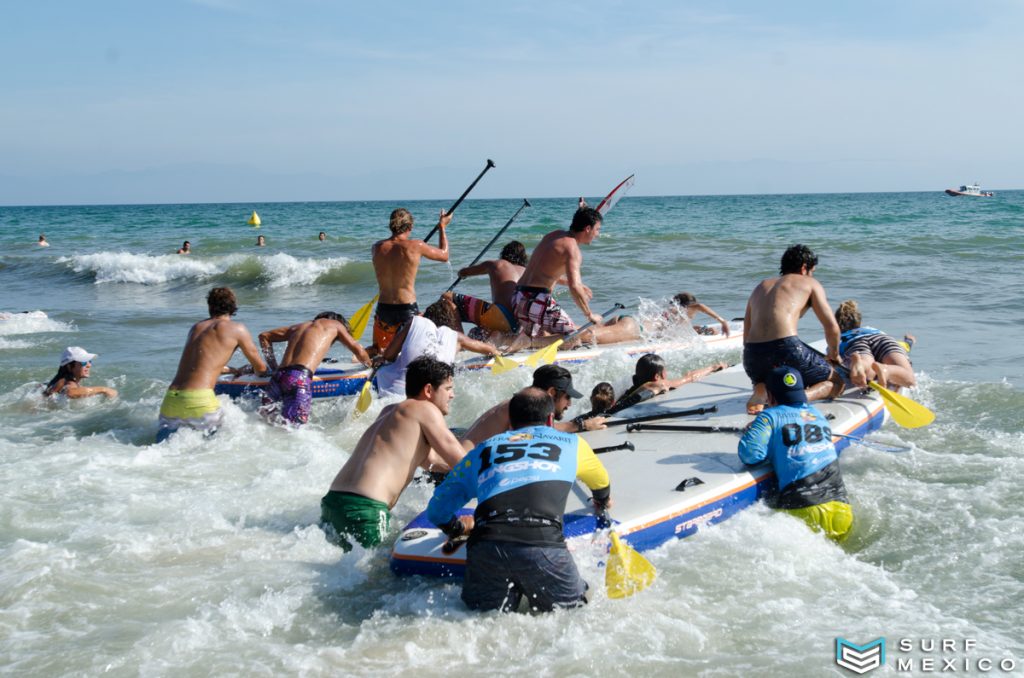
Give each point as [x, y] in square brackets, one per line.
[612, 448]
[672, 415]
[626, 572]
[904, 411]
[526, 203]
[490, 164]
[547, 354]
[366, 395]
[361, 318]
[739, 429]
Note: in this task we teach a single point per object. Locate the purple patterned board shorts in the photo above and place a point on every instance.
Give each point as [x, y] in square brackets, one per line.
[292, 387]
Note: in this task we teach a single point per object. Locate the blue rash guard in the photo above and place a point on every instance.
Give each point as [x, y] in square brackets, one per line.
[522, 480]
[798, 442]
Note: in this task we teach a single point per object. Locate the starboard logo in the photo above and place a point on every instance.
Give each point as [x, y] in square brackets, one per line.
[860, 658]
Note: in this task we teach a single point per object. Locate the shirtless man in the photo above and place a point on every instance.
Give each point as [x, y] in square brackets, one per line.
[557, 255]
[554, 380]
[186, 248]
[190, 400]
[395, 262]
[504, 273]
[406, 436]
[290, 391]
[770, 340]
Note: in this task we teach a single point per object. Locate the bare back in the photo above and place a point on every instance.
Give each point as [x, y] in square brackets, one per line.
[551, 260]
[396, 262]
[777, 304]
[209, 347]
[309, 342]
[389, 452]
[504, 277]
[487, 425]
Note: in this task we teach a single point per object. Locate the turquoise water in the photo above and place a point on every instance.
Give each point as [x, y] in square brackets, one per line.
[200, 557]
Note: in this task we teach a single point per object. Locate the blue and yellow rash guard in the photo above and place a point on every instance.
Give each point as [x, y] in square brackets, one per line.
[522, 480]
[798, 442]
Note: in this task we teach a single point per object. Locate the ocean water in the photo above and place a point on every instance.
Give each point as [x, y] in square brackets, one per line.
[202, 557]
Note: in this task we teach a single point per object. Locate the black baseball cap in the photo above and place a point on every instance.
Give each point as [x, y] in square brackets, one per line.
[553, 376]
[787, 386]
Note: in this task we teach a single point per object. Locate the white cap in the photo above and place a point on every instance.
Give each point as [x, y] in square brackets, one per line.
[76, 354]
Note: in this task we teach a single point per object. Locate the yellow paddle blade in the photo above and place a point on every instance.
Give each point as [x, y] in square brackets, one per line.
[502, 364]
[904, 411]
[361, 317]
[365, 397]
[626, 572]
[545, 356]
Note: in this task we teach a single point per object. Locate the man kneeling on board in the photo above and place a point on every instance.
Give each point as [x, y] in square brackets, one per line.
[797, 439]
[190, 400]
[405, 436]
[522, 480]
[290, 391]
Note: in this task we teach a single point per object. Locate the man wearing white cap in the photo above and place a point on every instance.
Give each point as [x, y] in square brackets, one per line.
[75, 365]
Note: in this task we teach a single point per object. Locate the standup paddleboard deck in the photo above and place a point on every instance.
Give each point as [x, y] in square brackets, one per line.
[334, 383]
[672, 483]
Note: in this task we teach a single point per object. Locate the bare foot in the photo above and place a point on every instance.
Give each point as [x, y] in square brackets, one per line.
[758, 399]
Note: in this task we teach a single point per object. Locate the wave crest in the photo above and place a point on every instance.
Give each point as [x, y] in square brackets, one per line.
[29, 322]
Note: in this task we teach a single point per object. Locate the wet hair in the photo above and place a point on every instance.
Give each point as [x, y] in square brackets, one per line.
[331, 315]
[602, 398]
[42, 237]
[848, 315]
[530, 407]
[684, 299]
[796, 257]
[401, 221]
[648, 368]
[65, 373]
[426, 370]
[221, 301]
[321, 233]
[186, 244]
[514, 253]
[584, 218]
[443, 314]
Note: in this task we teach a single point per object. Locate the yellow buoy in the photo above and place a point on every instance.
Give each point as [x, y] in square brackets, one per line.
[254, 220]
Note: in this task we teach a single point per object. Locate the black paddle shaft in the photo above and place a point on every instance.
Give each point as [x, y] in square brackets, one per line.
[697, 429]
[526, 203]
[670, 415]
[490, 164]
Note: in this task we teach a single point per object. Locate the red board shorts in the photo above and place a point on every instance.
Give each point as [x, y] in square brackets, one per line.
[537, 311]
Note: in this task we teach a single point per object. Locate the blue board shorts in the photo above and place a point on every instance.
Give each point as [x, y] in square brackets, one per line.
[500, 573]
[760, 358]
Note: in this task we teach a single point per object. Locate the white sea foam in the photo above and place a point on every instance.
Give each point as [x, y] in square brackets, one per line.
[31, 322]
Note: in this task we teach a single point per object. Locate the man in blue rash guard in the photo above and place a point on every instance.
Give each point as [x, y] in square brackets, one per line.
[796, 438]
[522, 479]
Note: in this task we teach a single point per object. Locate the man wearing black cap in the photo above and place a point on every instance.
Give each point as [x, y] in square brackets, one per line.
[796, 438]
[557, 382]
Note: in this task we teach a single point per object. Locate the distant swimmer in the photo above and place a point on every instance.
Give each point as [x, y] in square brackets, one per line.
[558, 255]
[290, 391]
[42, 241]
[395, 263]
[261, 241]
[795, 437]
[516, 548]
[186, 248]
[503, 274]
[650, 379]
[407, 435]
[437, 334]
[870, 354]
[190, 401]
[75, 365]
[770, 339]
[686, 305]
[322, 237]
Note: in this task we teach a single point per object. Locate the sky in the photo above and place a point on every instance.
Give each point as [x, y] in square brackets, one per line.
[262, 100]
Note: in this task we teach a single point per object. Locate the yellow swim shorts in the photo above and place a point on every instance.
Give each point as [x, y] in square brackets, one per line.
[834, 518]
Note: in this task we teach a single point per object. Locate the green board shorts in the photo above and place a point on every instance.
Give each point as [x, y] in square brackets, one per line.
[834, 518]
[365, 520]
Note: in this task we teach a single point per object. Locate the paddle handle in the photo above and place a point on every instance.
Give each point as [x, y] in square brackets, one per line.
[655, 417]
[490, 164]
[612, 448]
[526, 203]
[697, 429]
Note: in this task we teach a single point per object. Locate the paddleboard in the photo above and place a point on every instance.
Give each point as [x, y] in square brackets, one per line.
[671, 484]
[334, 383]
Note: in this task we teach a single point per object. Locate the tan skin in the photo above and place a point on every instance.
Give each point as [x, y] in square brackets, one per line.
[895, 369]
[773, 312]
[662, 384]
[504, 276]
[309, 342]
[73, 388]
[209, 347]
[558, 255]
[465, 343]
[496, 420]
[397, 260]
[409, 435]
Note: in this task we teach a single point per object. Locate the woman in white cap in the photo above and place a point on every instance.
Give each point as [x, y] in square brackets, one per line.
[75, 364]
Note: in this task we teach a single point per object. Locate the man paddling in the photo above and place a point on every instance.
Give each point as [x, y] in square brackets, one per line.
[290, 391]
[522, 479]
[769, 325]
[795, 437]
[190, 401]
[396, 261]
[503, 274]
[405, 436]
